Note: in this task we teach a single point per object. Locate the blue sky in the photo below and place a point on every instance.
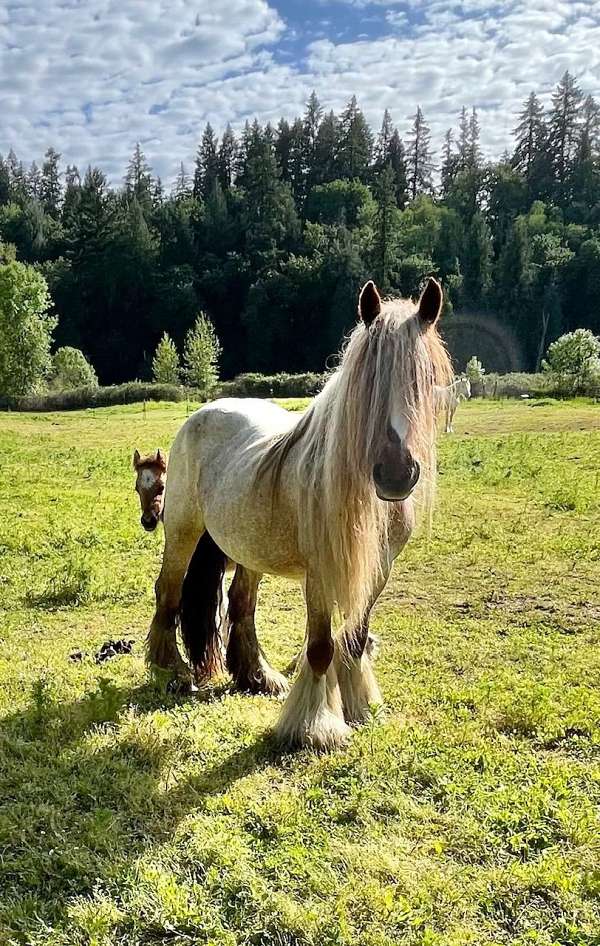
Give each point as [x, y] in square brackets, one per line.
[92, 77]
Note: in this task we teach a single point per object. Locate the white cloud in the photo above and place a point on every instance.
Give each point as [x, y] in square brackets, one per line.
[91, 78]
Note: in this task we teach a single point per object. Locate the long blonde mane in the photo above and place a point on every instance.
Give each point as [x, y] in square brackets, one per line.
[342, 525]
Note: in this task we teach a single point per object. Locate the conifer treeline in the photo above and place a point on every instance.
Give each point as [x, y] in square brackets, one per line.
[271, 233]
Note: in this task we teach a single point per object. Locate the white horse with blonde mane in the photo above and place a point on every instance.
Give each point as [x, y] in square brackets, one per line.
[325, 497]
[448, 397]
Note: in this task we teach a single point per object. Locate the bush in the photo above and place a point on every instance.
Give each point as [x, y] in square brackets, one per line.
[81, 398]
[71, 370]
[573, 361]
[276, 385]
[165, 364]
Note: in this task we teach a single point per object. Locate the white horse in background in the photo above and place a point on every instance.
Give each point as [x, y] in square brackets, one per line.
[448, 397]
[324, 497]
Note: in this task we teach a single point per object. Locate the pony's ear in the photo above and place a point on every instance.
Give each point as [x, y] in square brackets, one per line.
[161, 459]
[369, 303]
[430, 303]
[136, 459]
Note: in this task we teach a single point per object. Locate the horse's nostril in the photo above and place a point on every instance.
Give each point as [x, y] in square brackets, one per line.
[377, 471]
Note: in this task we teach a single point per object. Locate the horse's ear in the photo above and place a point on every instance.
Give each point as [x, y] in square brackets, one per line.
[369, 303]
[431, 302]
[136, 459]
[161, 459]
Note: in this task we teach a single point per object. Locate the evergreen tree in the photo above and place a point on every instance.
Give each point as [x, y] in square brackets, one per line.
[182, 189]
[564, 126]
[385, 241]
[397, 162]
[138, 180]
[477, 261]
[313, 116]
[4, 182]
[72, 195]
[530, 135]
[449, 163]
[382, 145]
[589, 140]
[419, 162]
[201, 355]
[327, 149]
[474, 149]
[356, 142]
[464, 140]
[165, 364]
[227, 158]
[50, 187]
[34, 181]
[206, 172]
[270, 215]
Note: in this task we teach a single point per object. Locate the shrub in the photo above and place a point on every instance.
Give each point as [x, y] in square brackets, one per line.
[131, 393]
[276, 385]
[475, 370]
[71, 370]
[25, 329]
[201, 356]
[573, 361]
[165, 364]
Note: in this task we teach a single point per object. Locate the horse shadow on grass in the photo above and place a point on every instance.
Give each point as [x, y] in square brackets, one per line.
[78, 807]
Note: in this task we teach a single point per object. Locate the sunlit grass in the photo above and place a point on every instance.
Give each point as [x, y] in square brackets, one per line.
[468, 814]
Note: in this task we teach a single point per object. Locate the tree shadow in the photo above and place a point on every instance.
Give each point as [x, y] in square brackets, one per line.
[78, 808]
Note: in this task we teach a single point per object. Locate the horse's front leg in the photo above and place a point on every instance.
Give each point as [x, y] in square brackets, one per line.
[313, 713]
[354, 646]
[354, 666]
[245, 660]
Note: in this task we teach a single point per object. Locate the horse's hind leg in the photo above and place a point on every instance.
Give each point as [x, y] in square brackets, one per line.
[245, 658]
[313, 714]
[161, 644]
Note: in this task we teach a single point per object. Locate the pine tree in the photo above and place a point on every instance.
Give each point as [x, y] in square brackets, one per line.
[463, 140]
[201, 355]
[313, 116]
[50, 188]
[474, 152]
[589, 140]
[420, 165]
[138, 179]
[327, 149]
[283, 147]
[72, 195]
[165, 364]
[397, 162]
[384, 138]
[4, 182]
[449, 163]
[18, 179]
[227, 158]
[34, 181]
[356, 142]
[270, 214]
[207, 164]
[385, 240]
[182, 188]
[530, 135]
[564, 128]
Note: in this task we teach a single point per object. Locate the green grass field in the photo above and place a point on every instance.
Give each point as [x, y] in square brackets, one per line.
[468, 814]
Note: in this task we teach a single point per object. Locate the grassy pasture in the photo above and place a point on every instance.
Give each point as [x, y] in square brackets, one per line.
[469, 814]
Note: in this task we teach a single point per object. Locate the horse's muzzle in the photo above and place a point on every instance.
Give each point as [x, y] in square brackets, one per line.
[149, 523]
[395, 489]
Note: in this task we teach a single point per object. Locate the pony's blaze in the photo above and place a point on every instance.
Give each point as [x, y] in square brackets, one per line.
[150, 486]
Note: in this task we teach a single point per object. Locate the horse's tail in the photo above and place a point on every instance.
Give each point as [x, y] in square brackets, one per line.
[201, 597]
